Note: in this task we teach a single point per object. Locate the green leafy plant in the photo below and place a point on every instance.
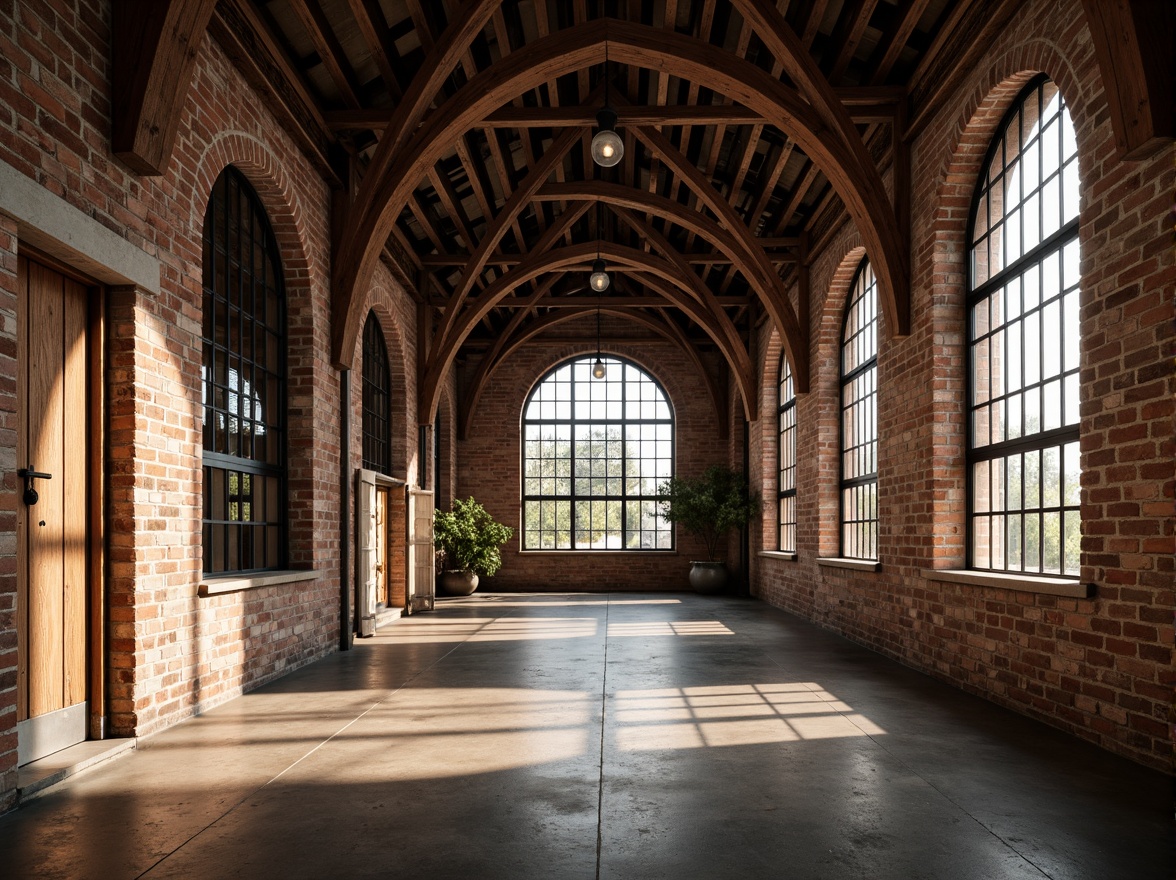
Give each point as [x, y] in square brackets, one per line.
[470, 537]
[709, 505]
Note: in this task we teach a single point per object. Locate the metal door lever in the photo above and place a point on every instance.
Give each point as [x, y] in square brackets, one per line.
[28, 474]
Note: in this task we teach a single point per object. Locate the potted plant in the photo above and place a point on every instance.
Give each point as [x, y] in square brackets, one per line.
[469, 538]
[709, 506]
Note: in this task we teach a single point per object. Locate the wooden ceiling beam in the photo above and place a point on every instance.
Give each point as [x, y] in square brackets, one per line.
[661, 276]
[330, 52]
[857, 181]
[864, 104]
[889, 49]
[504, 221]
[848, 34]
[373, 26]
[154, 47]
[776, 303]
[1133, 46]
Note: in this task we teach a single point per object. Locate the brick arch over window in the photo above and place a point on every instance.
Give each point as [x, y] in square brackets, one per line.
[303, 276]
[446, 443]
[976, 127]
[381, 302]
[826, 383]
[769, 371]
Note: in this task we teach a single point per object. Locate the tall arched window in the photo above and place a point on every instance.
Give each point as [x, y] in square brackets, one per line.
[594, 451]
[243, 385]
[786, 453]
[859, 419]
[377, 399]
[1023, 342]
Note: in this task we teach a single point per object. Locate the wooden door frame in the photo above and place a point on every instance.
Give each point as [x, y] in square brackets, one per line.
[96, 430]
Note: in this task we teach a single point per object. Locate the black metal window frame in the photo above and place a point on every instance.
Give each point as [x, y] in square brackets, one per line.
[243, 384]
[785, 459]
[377, 399]
[858, 516]
[1036, 293]
[646, 500]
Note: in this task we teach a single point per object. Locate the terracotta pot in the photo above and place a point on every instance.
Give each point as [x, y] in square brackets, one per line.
[458, 583]
[708, 577]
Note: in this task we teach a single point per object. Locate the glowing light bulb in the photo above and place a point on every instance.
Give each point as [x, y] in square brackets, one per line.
[599, 279]
[598, 369]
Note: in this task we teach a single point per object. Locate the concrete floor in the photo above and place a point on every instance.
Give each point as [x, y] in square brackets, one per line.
[622, 736]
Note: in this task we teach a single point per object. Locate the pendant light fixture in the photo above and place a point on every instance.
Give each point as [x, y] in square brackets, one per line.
[599, 279]
[607, 147]
[598, 369]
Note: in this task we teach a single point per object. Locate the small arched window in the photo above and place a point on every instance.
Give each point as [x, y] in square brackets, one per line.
[859, 419]
[594, 451]
[243, 384]
[377, 399]
[786, 457]
[1023, 328]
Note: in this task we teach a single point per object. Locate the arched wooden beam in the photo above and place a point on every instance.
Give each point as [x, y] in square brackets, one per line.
[1133, 45]
[383, 195]
[675, 259]
[745, 252]
[509, 344]
[659, 276]
[433, 72]
[622, 196]
[154, 53]
[889, 254]
[491, 355]
[501, 223]
[794, 336]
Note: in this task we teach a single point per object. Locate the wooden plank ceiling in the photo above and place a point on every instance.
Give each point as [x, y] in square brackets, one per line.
[354, 61]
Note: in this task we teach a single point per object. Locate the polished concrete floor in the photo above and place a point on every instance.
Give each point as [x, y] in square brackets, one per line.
[622, 736]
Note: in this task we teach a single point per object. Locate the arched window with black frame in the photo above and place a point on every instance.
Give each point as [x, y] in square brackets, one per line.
[594, 452]
[786, 457]
[1023, 331]
[377, 399]
[243, 384]
[859, 419]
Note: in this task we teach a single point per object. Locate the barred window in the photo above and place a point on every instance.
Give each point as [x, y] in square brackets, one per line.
[859, 419]
[1023, 303]
[377, 408]
[243, 384]
[594, 452]
[786, 454]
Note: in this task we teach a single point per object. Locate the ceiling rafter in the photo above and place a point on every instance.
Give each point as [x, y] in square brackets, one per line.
[858, 182]
[661, 276]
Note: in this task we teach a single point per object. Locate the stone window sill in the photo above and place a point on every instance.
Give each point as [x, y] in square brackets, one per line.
[1022, 583]
[778, 554]
[852, 564]
[214, 586]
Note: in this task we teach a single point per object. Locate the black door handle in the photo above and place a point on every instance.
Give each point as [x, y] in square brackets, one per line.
[29, 475]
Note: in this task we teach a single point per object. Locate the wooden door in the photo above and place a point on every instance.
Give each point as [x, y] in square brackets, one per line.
[421, 571]
[367, 559]
[52, 537]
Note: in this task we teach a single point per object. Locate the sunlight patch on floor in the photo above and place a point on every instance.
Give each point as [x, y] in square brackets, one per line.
[499, 629]
[429, 733]
[670, 628]
[687, 718]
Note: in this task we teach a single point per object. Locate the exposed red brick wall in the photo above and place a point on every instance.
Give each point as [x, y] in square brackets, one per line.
[396, 313]
[1100, 668]
[172, 652]
[489, 465]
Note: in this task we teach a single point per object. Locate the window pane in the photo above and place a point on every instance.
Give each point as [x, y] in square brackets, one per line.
[603, 445]
[243, 379]
[859, 419]
[1023, 352]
